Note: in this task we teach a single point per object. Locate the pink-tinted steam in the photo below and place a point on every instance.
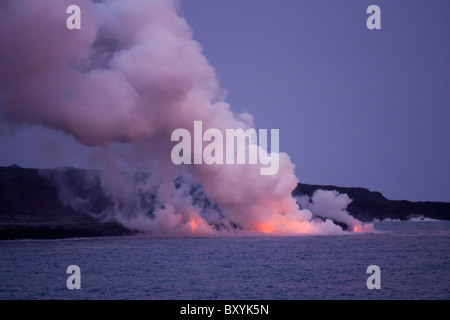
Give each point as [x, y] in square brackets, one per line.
[133, 74]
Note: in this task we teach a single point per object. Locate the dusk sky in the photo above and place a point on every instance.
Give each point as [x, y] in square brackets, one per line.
[355, 107]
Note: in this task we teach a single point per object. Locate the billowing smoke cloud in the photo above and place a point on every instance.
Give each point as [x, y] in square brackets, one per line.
[125, 81]
[332, 205]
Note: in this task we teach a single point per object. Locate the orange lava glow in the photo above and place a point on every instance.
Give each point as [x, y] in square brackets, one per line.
[264, 227]
[356, 229]
[282, 225]
[194, 224]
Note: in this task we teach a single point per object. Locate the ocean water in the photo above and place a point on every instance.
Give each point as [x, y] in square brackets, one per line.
[414, 259]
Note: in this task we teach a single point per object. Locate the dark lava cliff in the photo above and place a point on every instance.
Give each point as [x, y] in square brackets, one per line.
[30, 206]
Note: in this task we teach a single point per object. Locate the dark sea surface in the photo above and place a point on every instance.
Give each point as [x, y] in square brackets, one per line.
[414, 258]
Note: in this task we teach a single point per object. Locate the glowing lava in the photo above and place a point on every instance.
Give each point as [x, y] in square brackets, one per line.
[193, 223]
[285, 224]
[264, 227]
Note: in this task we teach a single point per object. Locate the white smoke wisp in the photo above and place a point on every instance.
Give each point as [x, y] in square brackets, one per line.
[125, 81]
[333, 205]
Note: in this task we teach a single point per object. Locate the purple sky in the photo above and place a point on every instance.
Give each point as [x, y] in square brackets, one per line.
[355, 107]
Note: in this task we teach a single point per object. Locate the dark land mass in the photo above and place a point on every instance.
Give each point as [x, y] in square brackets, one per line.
[31, 206]
[371, 205]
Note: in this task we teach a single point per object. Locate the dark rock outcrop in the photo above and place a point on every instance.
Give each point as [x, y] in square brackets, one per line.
[369, 205]
[31, 209]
